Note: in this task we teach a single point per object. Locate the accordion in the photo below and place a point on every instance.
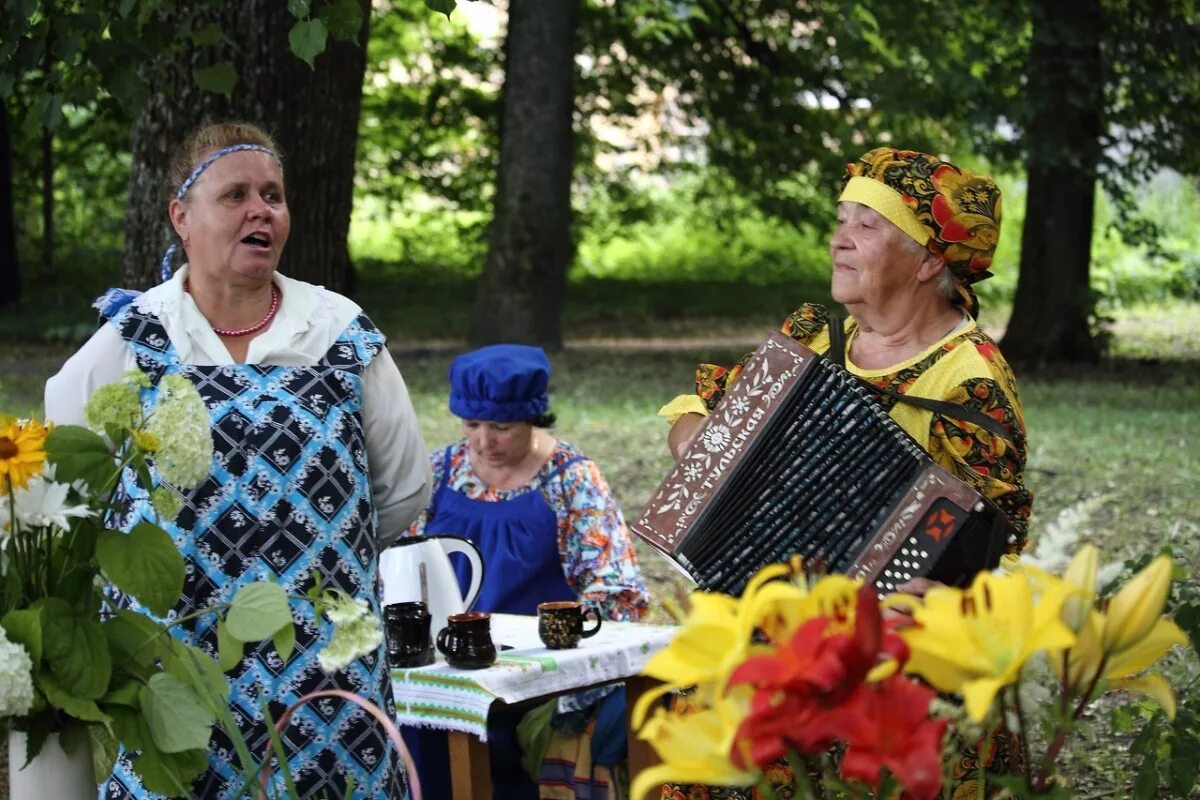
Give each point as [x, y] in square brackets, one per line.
[798, 459]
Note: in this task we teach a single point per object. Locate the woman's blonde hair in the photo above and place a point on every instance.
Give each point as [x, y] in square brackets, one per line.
[210, 138]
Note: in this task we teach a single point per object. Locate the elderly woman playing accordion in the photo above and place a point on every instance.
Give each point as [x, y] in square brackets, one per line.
[913, 234]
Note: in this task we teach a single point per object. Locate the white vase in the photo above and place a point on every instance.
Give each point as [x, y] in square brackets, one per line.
[53, 773]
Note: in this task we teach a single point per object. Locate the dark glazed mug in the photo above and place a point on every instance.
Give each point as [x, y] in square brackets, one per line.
[406, 627]
[560, 624]
[466, 641]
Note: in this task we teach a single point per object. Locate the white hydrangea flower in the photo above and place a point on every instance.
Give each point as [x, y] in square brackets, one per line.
[115, 404]
[344, 609]
[16, 679]
[180, 423]
[356, 632]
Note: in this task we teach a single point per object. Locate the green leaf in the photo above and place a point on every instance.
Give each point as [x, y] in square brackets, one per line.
[104, 748]
[285, 641]
[208, 36]
[196, 669]
[441, 6]
[124, 694]
[125, 7]
[299, 8]
[143, 563]
[220, 78]
[229, 647]
[78, 708]
[76, 649]
[79, 454]
[307, 39]
[1145, 785]
[25, 628]
[170, 774]
[136, 640]
[1183, 776]
[344, 19]
[258, 610]
[177, 717]
[130, 727]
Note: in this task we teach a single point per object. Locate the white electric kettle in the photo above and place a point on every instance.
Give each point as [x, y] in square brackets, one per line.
[419, 568]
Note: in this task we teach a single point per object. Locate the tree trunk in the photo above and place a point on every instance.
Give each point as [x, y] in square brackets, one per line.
[10, 273]
[47, 204]
[1050, 319]
[312, 114]
[520, 296]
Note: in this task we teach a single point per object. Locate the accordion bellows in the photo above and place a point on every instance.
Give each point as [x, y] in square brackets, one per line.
[798, 459]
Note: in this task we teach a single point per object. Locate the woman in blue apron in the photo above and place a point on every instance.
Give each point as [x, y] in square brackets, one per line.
[544, 519]
[316, 446]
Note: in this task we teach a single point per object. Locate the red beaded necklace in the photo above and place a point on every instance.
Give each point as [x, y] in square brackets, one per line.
[276, 295]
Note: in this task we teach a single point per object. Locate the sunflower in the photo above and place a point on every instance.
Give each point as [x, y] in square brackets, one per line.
[22, 451]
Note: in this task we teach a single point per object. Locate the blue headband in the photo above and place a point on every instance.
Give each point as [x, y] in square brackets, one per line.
[500, 383]
[169, 256]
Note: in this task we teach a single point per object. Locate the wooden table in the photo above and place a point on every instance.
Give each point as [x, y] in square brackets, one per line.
[459, 701]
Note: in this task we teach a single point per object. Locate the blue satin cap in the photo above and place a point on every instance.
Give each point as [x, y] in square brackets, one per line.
[500, 383]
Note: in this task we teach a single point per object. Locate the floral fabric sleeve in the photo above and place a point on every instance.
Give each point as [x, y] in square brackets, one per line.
[992, 464]
[595, 547]
[712, 380]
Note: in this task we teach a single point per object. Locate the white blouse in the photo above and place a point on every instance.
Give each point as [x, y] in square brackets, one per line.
[309, 321]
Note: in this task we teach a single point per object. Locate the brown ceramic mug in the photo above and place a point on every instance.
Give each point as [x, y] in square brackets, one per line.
[406, 627]
[560, 623]
[466, 641]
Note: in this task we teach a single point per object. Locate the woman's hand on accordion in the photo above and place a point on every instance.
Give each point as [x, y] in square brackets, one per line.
[917, 587]
[683, 433]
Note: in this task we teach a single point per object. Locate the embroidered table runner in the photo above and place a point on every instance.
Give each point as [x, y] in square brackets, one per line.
[440, 696]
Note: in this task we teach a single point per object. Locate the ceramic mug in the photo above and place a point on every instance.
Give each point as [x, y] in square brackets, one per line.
[466, 641]
[560, 623]
[406, 629]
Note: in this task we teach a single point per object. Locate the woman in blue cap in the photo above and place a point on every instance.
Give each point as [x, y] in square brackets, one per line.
[540, 512]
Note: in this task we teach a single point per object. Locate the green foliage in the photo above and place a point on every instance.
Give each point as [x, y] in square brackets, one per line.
[83, 55]
[1168, 751]
[428, 138]
[676, 234]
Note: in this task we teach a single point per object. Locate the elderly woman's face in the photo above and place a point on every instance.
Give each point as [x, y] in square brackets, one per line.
[234, 221]
[498, 444]
[874, 262]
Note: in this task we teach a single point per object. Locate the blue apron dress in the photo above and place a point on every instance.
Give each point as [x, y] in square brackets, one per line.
[289, 493]
[518, 542]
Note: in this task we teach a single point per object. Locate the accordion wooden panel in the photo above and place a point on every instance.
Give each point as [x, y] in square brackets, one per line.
[798, 459]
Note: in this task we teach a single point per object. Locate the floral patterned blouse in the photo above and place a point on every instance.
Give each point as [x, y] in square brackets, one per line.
[965, 368]
[594, 545]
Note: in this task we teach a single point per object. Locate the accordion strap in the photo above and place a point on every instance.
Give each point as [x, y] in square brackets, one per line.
[837, 354]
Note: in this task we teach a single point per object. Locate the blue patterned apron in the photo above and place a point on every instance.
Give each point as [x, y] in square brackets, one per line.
[517, 539]
[289, 493]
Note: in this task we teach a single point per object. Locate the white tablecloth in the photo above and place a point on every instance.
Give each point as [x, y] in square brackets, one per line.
[440, 696]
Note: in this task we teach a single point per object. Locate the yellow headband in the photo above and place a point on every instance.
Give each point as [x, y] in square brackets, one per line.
[887, 202]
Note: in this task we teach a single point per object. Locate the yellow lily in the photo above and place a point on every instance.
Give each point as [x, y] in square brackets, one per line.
[694, 748]
[1116, 645]
[974, 642]
[718, 634]
[1082, 573]
[1135, 609]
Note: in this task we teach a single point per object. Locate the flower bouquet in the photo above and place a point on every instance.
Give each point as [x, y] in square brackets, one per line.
[811, 684]
[76, 660]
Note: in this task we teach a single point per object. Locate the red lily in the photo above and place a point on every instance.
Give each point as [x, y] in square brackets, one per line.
[886, 725]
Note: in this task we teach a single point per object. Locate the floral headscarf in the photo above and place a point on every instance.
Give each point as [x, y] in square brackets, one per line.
[946, 209]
